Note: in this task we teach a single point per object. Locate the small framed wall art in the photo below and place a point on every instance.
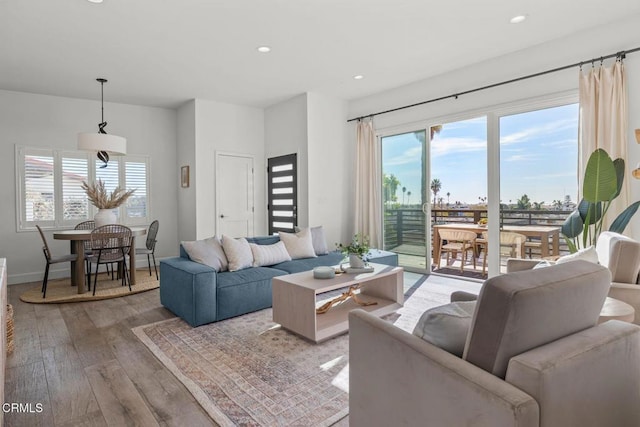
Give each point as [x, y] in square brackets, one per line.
[184, 176]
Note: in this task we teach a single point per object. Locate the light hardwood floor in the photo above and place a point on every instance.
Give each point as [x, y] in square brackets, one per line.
[84, 365]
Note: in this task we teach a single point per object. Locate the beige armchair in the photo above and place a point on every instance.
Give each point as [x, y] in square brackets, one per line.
[621, 255]
[533, 357]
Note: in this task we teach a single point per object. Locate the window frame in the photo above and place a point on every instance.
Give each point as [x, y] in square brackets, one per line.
[21, 151]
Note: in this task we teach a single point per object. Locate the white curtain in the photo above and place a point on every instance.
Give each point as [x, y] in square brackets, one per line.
[603, 123]
[368, 206]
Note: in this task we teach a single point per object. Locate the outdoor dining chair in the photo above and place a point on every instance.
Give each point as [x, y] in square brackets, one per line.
[51, 260]
[457, 241]
[150, 246]
[511, 245]
[111, 244]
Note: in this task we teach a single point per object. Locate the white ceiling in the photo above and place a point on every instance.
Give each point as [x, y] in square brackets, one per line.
[164, 52]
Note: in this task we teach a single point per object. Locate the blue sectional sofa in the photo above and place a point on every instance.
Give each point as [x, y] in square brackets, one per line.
[200, 295]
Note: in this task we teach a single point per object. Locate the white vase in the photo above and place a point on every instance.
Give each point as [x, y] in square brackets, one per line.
[104, 217]
[356, 261]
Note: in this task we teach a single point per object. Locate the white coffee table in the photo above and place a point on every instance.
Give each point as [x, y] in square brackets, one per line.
[294, 300]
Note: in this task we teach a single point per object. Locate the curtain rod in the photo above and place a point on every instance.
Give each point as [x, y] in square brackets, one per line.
[620, 55]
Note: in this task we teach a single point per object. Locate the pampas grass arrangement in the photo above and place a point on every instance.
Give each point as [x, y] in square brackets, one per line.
[102, 199]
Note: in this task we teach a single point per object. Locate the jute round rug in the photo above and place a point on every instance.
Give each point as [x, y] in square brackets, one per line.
[60, 290]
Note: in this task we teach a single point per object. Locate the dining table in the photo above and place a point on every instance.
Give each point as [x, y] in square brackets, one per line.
[77, 239]
[549, 236]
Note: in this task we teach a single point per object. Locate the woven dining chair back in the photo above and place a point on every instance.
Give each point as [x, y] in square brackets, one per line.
[457, 241]
[111, 243]
[150, 248]
[152, 233]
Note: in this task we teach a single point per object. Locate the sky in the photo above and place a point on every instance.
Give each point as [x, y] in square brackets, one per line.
[538, 157]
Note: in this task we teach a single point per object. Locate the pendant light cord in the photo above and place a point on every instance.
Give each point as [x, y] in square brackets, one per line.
[102, 124]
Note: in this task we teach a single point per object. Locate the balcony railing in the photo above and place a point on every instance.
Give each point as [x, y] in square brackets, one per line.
[406, 226]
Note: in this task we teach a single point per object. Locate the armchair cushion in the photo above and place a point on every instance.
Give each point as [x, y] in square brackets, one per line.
[597, 366]
[520, 311]
[621, 255]
[587, 254]
[446, 326]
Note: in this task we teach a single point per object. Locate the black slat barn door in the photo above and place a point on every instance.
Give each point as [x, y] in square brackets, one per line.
[282, 187]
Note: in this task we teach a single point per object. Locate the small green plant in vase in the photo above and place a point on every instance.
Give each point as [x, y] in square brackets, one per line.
[356, 250]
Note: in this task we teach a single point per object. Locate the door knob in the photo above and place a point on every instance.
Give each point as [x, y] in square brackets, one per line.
[221, 216]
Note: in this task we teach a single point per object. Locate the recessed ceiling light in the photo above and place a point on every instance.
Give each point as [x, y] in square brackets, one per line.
[95, 1]
[518, 19]
[358, 77]
[264, 49]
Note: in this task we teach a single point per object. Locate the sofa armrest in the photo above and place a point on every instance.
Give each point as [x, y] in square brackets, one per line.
[397, 378]
[590, 378]
[188, 289]
[520, 264]
[457, 296]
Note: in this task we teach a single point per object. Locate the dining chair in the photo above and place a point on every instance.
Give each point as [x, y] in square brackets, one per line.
[150, 246]
[87, 225]
[511, 245]
[457, 241]
[111, 244]
[88, 253]
[51, 260]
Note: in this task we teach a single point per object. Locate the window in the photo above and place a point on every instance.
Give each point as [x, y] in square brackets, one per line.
[49, 188]
[514, 165]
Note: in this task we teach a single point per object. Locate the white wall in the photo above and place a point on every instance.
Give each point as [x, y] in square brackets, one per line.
[286, 133]
[227, 128]
[604, 40]
[54, 122]
[330, 173]
[186, 154]
[313, 126]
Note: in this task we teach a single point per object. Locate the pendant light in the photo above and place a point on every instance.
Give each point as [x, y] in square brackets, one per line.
[102, 143]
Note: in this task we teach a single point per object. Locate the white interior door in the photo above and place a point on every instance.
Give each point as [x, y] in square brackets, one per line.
[234, 195]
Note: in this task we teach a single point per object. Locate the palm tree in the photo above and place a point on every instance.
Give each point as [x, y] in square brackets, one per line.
[404, 190]
[408, 197]
[448, 195]
[435, 186]
[557, 205]
[523, 202]
[390, 184]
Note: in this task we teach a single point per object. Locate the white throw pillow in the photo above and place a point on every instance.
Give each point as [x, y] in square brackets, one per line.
[447, 326]
[542, 264]
[299, 245]
[318, 240]
[269, 254]
[238, 252]
[587, 254]
[208, 252]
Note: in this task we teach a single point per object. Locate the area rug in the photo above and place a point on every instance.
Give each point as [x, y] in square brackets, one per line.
[249, 371]
[61, 291]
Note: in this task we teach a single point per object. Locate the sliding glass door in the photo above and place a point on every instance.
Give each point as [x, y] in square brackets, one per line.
[513, 169]
[459, 197]
[433, 178]
[404, 191]
[538, 177]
